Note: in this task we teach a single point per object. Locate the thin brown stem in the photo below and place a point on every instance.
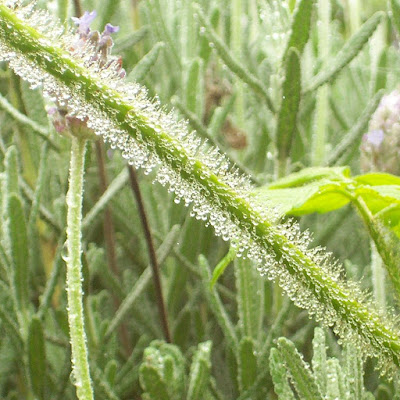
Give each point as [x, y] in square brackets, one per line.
[152, 254]
[109, 237]
[78, 8]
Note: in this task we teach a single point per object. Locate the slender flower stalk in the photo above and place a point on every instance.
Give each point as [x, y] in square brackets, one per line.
[80, 364]
[198, 174]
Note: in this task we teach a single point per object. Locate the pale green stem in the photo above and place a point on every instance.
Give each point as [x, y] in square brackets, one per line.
[378, 277]
[80, 364]
[354, 16]
[237, 9]
[321, 112]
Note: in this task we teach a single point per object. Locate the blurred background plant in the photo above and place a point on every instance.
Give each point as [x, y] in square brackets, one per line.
[279, 86]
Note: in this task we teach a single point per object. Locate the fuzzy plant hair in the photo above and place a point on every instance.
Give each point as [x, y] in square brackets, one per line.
[72, 74]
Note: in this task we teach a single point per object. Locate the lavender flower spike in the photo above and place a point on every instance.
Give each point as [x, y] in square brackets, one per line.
[85, 21]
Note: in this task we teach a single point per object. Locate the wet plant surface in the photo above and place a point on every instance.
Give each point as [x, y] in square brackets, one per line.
[200, 200]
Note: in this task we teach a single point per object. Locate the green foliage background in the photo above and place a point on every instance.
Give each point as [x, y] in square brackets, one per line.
[258, 79]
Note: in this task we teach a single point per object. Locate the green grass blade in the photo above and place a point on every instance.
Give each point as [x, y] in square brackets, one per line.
[301, 26]
[349, 51]
[37, 358]
[287, 116]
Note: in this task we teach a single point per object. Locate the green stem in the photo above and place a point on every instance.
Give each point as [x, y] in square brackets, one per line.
[378, 277]
[80, 364]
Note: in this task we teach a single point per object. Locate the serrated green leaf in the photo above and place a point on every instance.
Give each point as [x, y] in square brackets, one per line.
[291, 94]
[308, 175]
[320, 196]
[280, 376]
[299, 371]
[199, 377]
[300, 29]
[37, 358]
[143, 67]
[377, 179]
[247, 363]
[349, 51]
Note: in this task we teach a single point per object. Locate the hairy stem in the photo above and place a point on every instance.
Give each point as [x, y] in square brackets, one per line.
[80, 364]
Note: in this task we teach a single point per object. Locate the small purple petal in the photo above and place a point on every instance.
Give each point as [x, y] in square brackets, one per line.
[375, 138]
[109, 29]
[85, 21]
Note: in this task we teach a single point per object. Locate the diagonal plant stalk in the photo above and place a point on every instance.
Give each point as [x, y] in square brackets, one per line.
[198, 174]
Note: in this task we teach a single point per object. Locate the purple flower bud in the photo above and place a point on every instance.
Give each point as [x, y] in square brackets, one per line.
[374, 138]
[84, 22]
[380, 148]
[109, 29]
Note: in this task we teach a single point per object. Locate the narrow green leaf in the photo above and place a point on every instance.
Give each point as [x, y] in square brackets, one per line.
[280, 376]
[231, 62]
[62, 7]
[349, 51]
[381, 72]
[356, 131]
[205, 49]
[299, 371]
[127, 42]
[301, 25]
[19, 252]
[353, 366]
[250, 298]
[194, 91]
[37, 358]
[386, 242]
[12, 171]
[108, 10]
[222, 265]
[395, 6]
[319, 365]
[199, 377]
[219, 116]
[40, 130]
[247, 363]
[287, 116]
[217, 306]
[143, 67]
[110, 372]
[153, 383]
[333, 390]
